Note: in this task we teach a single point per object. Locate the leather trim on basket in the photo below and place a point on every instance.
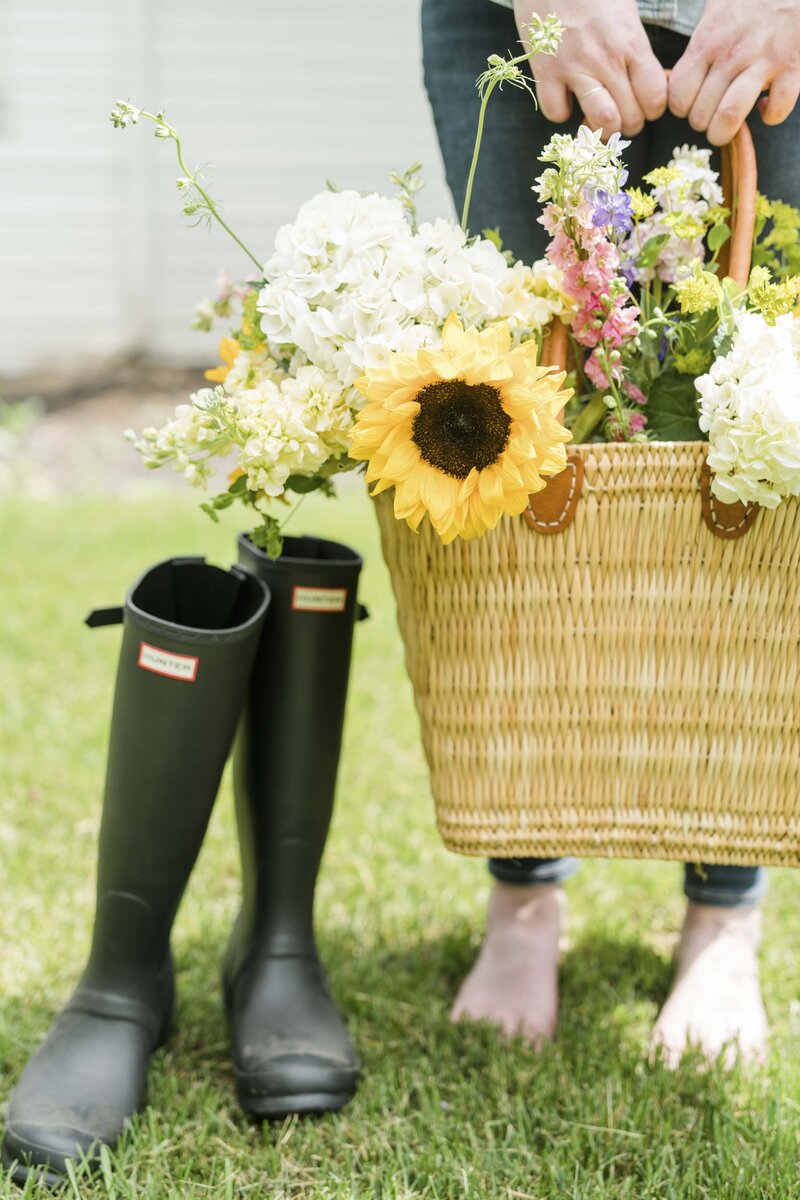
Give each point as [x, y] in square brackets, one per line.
[553, 508]
[724, 520]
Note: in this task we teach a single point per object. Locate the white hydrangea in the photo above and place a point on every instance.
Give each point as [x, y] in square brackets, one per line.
[350, 282]
[695, 190]
[750, 408]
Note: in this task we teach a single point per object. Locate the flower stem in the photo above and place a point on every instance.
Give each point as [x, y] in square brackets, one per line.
[292, 513]
[475, 155]
[209, 203]
[501, 71]
[589, 418]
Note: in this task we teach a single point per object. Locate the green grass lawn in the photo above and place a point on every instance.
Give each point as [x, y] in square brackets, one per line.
[442, 1111]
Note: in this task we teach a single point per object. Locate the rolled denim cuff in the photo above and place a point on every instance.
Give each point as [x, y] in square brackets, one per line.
[527, 871]
[724, 886]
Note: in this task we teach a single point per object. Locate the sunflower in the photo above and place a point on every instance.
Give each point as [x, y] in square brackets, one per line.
[465, 433]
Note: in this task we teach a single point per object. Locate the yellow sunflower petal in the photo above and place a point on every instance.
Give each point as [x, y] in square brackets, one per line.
[400, 449]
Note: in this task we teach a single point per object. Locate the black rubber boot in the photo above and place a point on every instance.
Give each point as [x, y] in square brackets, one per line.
[292, 1052]
[189, 641]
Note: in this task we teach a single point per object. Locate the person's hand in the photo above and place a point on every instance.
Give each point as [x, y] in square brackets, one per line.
[738, 50]
[604, 60]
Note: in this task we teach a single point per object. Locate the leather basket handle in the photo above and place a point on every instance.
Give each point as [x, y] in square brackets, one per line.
[553, 508]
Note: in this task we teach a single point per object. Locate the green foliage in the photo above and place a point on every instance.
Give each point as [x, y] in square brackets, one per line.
[587, 419]
[303, 484]
[409, 183]
[267, 536]
[776, 241]
[717, 237]
[217, 504]
[672, 408]
[651, 250]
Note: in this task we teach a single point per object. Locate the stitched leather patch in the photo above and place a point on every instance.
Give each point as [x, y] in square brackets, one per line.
[724, 520]
[553, 508]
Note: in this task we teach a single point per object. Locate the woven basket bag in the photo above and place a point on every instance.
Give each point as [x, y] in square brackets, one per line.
[615, 672]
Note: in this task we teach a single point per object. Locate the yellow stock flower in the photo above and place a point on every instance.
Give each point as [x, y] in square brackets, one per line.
[465, 433]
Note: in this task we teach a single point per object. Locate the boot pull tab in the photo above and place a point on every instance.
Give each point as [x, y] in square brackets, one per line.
[104, 616]
[362, 612]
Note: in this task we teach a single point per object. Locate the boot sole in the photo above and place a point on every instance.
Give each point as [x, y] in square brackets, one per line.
[304, 1104]
[22, 1172]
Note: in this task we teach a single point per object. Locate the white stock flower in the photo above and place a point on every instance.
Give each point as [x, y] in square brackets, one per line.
[532, 296]
[193, 434]
[693, 191]
[291, 429]
[750, 408]
[250, 368]
[582, 161]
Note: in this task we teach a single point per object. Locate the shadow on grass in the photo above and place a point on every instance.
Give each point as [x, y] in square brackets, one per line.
[396, 994]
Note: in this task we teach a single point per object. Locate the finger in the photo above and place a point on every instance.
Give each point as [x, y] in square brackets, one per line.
[649, 83]
[599, 109]
[631, 116]
[686, 79]
[734, 107]
[709, 98]
[555, 100]
[783, 94]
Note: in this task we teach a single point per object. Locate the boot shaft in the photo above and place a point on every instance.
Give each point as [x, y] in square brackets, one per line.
[190, 637]
[287, 753]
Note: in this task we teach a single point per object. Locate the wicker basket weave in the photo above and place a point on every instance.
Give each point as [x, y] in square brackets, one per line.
[627, 687]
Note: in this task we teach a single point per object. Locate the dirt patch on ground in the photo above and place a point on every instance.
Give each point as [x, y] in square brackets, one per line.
[65, 434]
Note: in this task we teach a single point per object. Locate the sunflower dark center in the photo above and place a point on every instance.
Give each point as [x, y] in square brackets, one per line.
[460, 426]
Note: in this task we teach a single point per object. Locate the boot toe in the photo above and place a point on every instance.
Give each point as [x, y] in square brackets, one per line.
[37, 1148]
[297, 1083]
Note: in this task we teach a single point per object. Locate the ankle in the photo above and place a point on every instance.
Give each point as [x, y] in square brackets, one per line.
[714, 919]
[525, 906]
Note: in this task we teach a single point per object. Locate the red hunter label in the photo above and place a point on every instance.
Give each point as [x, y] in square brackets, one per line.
[319, 599]
[165, 662]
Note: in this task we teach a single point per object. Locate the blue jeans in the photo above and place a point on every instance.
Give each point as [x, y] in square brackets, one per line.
[458, 36]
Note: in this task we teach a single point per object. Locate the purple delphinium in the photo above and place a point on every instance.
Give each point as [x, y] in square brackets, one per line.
[612, 209]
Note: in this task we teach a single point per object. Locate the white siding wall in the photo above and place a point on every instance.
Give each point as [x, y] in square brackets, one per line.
[279, 95]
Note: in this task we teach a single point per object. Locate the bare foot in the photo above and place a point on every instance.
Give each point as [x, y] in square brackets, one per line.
[514, 983]
[715, 1003]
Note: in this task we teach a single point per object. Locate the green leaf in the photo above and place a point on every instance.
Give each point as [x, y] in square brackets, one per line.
[268, 537]
[210, 511]
[718, 236]
[672, 409]
[651, 250]
[493, 236]
[303, 484]
[239, 486]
